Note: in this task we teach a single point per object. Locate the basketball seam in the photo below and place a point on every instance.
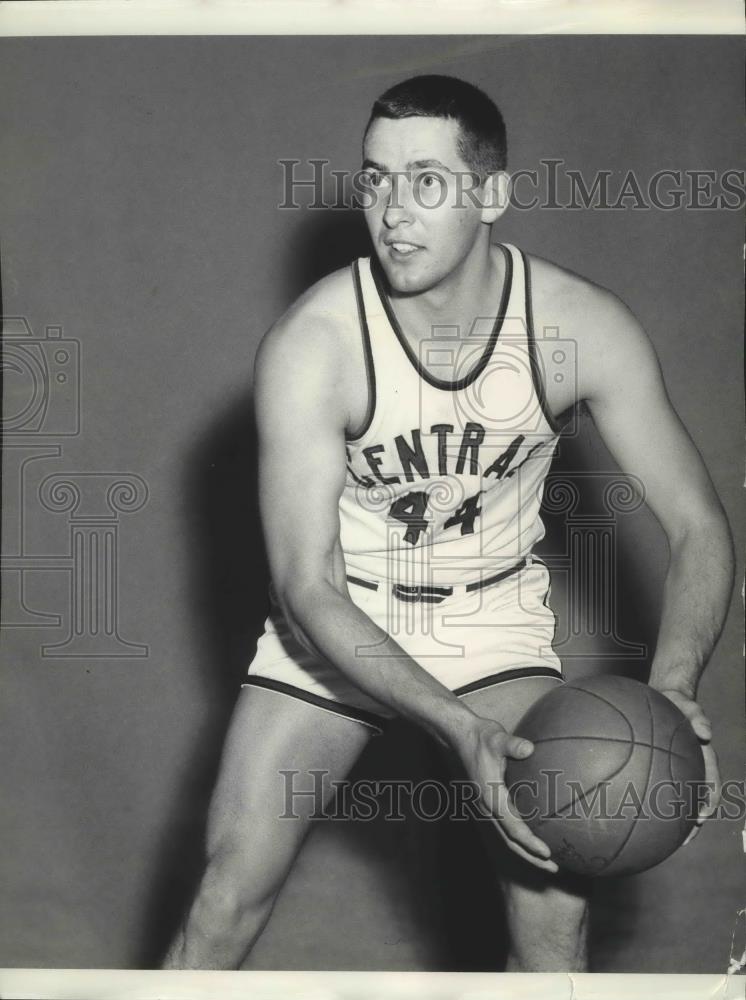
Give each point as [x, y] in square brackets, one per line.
[611, 704]
[629, 833]
[611, 739]
[580, 798]
[674, 734]
[587, 792]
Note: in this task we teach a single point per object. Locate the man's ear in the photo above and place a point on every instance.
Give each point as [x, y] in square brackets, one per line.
[496, 195]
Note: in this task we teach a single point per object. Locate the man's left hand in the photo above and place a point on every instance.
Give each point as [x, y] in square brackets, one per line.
[703, 730]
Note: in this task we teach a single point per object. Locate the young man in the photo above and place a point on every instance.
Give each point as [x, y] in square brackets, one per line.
[407, 416]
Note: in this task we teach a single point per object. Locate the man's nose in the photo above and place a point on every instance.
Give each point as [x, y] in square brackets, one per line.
[398, 204]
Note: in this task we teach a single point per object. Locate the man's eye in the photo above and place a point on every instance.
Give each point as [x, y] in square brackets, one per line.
[430, 188]
[430, 180]
[376, 178]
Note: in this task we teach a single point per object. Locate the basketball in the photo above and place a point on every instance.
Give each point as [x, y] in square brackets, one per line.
[612, 785]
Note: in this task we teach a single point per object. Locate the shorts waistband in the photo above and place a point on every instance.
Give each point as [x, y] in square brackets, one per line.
[434, 595]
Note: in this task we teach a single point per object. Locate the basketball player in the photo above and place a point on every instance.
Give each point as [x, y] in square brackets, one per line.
[408, 413]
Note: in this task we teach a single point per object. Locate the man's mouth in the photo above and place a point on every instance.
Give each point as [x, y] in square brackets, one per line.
[401, 248]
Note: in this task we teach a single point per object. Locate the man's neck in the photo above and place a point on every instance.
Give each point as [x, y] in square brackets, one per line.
[471, 291]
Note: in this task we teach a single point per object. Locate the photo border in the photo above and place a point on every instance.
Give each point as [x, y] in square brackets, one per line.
[25, 18]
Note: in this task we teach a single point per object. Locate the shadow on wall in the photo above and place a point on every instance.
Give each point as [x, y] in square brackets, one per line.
[228, 592]
[327, 241]
[442, 865]
[599, 639]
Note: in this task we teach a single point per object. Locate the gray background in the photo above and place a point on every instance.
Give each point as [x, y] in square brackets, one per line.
[138, 210]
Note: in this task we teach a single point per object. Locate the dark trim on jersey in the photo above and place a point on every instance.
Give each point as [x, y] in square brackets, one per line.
[363, 583]
[535, 368]
[407, 592]
[508, 675]
[412, 594]
[545, 599]
[370, 584]
[339, 708]
[479, 584]
[368, 353]
[380, 279]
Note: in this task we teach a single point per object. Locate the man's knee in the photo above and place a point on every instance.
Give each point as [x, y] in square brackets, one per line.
[548, 929]
[236, 886]
[230, 910]
[554, 913]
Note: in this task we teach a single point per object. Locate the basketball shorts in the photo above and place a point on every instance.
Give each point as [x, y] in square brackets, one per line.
[469, 637]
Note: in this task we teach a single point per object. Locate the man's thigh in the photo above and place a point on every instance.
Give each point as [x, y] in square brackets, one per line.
[508, 700]
[277, 747]
[545, 911]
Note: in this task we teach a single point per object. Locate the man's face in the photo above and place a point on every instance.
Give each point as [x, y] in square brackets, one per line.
[422, 221]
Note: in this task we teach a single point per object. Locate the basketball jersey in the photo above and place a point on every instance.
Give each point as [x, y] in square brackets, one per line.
[445, 480]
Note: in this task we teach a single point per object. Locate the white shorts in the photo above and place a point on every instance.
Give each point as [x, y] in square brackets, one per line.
[467, 639]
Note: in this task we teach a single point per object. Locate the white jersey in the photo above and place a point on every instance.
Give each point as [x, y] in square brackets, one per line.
[445, 481]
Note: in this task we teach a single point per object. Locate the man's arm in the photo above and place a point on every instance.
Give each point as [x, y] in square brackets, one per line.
[621, 382]
[301, 418]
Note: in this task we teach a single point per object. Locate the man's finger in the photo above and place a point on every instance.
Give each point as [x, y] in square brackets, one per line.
[516, 828]
[698, 720]
[701, 725]
[518, 748]
[691, 709]
[714, 787]
[545, 864]
[692, 834]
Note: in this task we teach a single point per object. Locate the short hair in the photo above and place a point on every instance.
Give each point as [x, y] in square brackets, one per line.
[482, 141]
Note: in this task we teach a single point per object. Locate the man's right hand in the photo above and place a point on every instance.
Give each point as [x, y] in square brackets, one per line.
[483, 752]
